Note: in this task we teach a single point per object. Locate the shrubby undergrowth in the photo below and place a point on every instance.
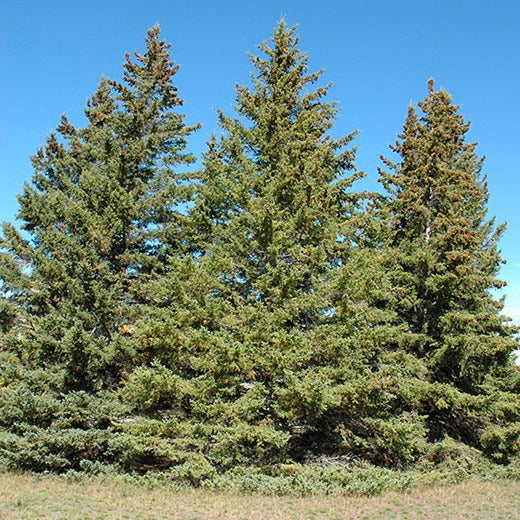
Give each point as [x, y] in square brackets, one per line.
[317, 478]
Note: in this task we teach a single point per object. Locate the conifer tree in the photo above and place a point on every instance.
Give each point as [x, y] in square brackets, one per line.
[247, 338]
[442, 261]
[94, 221]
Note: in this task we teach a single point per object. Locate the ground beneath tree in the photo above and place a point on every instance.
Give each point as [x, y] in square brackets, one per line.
[26, 497]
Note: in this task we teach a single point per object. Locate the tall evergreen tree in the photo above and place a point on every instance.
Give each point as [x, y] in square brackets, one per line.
[94, 221]
[247, 338]
[443, 262]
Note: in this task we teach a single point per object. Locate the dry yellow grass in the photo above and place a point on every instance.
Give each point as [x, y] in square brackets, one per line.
[24, 497]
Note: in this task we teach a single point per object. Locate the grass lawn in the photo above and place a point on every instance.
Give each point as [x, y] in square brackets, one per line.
[27, 497]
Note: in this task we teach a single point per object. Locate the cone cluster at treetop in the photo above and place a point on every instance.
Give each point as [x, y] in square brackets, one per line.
[258, 311]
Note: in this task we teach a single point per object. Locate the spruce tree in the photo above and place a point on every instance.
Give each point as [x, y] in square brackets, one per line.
[442, 261]
[247, 340]
[93, 224]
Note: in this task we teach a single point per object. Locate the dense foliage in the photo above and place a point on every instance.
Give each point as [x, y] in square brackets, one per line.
[257, 313]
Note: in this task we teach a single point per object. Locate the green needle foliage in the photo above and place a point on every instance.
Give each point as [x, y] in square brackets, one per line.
[256, 321]
[442, 261]
[93, 222]
[250, 337]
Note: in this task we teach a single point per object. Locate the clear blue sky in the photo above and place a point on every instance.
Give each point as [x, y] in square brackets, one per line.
[378, 54]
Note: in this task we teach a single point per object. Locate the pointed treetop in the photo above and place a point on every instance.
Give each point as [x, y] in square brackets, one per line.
[283, 30]
[152, 71]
